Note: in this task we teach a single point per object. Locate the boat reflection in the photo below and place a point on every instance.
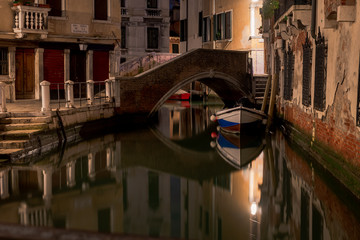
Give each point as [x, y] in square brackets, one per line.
[239, 149]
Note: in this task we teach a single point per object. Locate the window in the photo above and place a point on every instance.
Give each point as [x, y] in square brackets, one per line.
[104, 220]
[206, 29]
[307, 59]
[122, 60]
[289, 73]
[183, 30]
[153, 190]
[100, 9]
[152, 38]
[123, 3]
[55, 6]
[151, 3]
[320, 74]
[175, 48]
[222, 26]
[123, 37]
[4, 69]
[200, 30]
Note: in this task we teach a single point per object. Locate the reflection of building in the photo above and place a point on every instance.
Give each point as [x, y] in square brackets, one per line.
[144, 28]
[178, 122]
[226, 24]
[56, 42]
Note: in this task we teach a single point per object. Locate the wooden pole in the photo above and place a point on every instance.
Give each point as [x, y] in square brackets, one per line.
[272, 100]
[266, 94]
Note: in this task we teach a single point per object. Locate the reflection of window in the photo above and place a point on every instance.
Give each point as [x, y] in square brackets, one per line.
[223, 181]
[55, 6]
[123, 37]
[152, 38]
[4, 61]
[104, 220]
[219, 232]
[207, 223]
[153, 190]
[100, 9]
[151, 3]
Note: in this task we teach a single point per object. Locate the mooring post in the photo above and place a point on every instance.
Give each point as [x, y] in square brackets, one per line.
[90, 92]
[3, 97]
[69, 94]
[108, 89]
[45, 96]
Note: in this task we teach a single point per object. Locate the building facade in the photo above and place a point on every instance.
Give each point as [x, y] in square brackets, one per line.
[56, 41]
[314, 51]
[145, 27]
[226, 24]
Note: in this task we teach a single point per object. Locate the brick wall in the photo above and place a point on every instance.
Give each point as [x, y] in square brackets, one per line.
[340, 136]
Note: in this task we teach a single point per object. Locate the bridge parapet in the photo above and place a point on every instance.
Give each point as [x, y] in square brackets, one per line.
[225, 72]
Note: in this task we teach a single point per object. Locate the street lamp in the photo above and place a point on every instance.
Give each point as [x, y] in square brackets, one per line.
[82, 46]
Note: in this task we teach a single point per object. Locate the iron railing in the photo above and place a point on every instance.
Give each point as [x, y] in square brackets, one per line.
[284, 5]
[59, 97]
[320, 73]
[307, 62]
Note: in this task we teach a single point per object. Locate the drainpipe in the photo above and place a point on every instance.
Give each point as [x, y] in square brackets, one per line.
[187, 25]
[313, 18]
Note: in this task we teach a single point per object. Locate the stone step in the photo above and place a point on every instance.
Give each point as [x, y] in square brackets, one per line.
[17, 120]
[26, 126]
[6, 154]
[28, 114]
[18, 134]
[11, 144]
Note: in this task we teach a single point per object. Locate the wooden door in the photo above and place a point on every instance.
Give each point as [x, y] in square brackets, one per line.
[78, 72]
[25, 73]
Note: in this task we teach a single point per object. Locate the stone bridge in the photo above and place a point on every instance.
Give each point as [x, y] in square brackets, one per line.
[225, 72]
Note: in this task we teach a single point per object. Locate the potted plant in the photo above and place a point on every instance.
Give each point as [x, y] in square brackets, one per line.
[16, 3]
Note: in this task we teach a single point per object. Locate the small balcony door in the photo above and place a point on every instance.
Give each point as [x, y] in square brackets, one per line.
[25, 73]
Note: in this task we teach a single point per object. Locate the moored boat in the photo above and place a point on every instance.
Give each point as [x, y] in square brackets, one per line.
[239, 119]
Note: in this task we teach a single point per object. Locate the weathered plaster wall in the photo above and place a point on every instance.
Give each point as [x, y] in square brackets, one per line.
[336, 125]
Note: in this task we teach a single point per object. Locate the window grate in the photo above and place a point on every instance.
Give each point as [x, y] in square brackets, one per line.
[358, 101]
[289, 74]
[307, 62]
[4, 61]
[320, 74]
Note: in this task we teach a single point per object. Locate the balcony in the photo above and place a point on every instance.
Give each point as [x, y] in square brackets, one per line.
[285, 5]
[30, 20]
[153, 12]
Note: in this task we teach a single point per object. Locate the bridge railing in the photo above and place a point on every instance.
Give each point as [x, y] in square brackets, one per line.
[78, 94]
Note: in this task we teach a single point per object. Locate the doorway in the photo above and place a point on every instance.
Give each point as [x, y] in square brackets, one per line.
[78, 72]
[25, 73]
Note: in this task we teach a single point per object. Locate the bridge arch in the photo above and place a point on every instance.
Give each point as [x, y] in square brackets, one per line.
[225, 72]
[211, 79]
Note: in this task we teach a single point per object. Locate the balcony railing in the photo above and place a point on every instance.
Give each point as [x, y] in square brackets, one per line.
[30, 19]
[284, 5]
[153, 12]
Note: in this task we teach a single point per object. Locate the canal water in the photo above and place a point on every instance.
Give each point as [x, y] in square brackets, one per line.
[181, 178]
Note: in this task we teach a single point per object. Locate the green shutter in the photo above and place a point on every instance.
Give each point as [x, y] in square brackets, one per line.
[223, 26]
[214, 27]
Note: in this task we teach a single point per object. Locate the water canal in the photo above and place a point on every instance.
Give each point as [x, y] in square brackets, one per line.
[179, 179]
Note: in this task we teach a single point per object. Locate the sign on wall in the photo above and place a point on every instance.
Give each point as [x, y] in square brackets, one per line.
[80, 28]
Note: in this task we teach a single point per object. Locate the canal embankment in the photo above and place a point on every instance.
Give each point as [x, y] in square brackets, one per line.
[344, 176]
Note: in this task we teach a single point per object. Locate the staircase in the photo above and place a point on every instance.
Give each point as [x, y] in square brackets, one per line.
[17, 132]
[260, 86]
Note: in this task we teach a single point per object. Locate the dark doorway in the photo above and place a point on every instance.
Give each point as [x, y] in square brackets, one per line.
[78, 72]
[25, 74]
